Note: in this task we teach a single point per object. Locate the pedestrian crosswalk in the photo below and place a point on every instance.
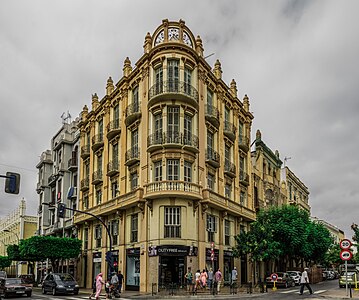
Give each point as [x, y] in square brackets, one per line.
[305, 292]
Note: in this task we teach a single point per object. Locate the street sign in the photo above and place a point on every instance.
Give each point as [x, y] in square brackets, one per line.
[345, 244]
[274, 277]
[346, 255]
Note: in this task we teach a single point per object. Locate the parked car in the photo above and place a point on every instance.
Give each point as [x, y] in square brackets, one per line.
[3, 274]
[27, 278]
[352, 277]
[296, 275]
[16, 287]
[328, 275]
[283, 280]
[60, 283]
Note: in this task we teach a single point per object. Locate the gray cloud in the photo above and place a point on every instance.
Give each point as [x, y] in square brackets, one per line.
[297, 61]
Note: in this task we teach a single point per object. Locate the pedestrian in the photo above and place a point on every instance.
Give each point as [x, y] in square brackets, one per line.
[189, 277]
[93, 289]
[204, 277]
[197, 276]
[114, 284]
[304, 281]
[120, 281]
[99, 284]
[210, 278]
[218, 278]
[108, 289]
[234, 276]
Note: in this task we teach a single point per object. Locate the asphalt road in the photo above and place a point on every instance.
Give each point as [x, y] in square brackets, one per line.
[323, 290]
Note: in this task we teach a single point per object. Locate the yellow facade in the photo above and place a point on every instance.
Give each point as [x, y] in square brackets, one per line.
[15, 227]
[165, 162]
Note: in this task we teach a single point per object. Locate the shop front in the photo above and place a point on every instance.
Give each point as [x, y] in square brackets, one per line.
[212, 262]
[228, 264]
[172, 263]
[132, 276]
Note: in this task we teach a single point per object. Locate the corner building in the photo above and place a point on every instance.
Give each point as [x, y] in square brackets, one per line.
[165, 162]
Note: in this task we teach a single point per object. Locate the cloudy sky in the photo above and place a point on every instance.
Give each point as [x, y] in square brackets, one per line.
[296, 60]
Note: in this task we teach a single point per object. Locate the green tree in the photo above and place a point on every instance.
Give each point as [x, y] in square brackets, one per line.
[39, 248]
[332, 258]
[286, 233]
[5, 262]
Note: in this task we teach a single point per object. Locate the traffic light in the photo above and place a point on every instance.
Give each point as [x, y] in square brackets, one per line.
[109, 258]
[12, 183]
[61, 210]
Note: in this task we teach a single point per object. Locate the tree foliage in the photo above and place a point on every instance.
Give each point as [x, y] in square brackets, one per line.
[13, 252]
[286, 233]
[4, 262]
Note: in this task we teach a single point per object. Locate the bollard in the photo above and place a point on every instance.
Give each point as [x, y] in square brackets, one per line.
[350, 290]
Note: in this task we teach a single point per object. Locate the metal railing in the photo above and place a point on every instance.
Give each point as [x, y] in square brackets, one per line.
[173, 137]
[133, 108]
[173, 86]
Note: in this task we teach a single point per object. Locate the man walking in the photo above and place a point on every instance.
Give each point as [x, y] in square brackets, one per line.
[218, 279]
[304, 281]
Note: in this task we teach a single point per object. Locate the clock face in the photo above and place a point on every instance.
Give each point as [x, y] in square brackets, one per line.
[186, 39]
[173, 34]
[160, 38]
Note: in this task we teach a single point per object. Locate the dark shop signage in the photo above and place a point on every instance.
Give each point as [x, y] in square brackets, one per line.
[133, 251]
[172, 250]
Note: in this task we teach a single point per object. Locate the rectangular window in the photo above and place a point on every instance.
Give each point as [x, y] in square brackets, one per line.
[100, 128]
[173, 124]
[114, 231]
[86, 201]
[98, 196]
[98, 235]
[209, 98]
[187, 129]
[134, 144]
[99, 164]
[135, 101]
[227, 191]
[187, 170]
[114, 189]
[210, 181]
[134, 228]
[115, 153]
[158, 129]
[86, 238]
[187, 81]
[158, 170]
[242, 229]
[172, 222]
[226, 114]
[173, 75]
[134, 180]
[159, 80]
[242, 198]
[173, 169]
[116, 113]
[211, 227]
[227, 232]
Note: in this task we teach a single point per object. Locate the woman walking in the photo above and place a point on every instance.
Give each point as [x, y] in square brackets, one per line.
[99, 284]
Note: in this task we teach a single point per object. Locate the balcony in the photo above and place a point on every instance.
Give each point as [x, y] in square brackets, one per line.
[132, 113]
[229, 169]
[72, 164]
[172, 139]
[243, 143]
[97, 177]
[173, 89]
[85, 151]
[229, 130]
[113, 128]
[132, 156]
[113, 168]
[212, 114]
[97, 141]
[160, 189]
[85, 183]
[212, 157]
[243, 177]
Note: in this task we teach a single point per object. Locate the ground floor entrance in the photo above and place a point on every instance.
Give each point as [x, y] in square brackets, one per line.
[171, 270]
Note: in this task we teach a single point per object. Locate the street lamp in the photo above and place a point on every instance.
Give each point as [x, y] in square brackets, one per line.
[7, 230]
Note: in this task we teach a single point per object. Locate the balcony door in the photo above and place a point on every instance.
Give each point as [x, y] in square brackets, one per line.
[173, 75]
[173, 124]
